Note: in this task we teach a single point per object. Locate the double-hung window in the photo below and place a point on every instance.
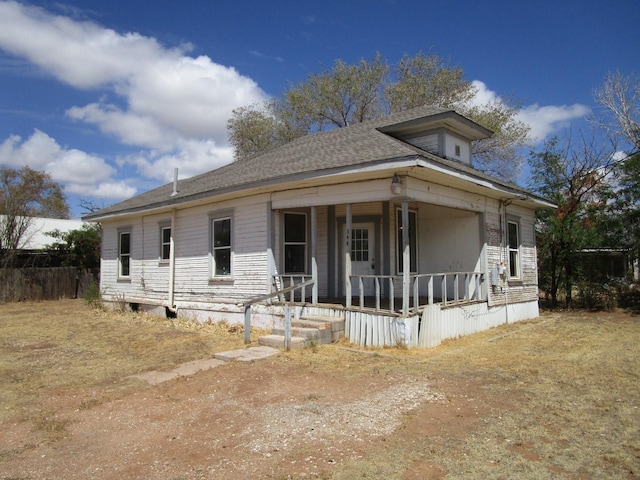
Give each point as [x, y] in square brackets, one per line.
[165, 242]
[513, 243]
[221, 247]
[124, 253]
[295, 243]
[413, 240]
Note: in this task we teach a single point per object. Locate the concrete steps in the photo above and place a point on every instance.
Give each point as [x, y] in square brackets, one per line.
[306, 330]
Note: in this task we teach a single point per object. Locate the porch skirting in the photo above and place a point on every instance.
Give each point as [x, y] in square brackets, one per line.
[433, 325]
[368, 328]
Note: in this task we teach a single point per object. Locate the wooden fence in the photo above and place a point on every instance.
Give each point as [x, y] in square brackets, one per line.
[22, 284]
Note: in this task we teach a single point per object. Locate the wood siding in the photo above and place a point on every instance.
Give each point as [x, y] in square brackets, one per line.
[149, 279]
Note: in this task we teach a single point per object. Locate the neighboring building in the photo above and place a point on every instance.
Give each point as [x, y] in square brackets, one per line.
[399, 235]
[32, 249]
[36, 237]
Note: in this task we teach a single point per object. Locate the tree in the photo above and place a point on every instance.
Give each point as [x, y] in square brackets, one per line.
[347, 94]
[576, 179]
[78, 248]
[427, 80]
[24, 194]
[338, 97]
[620, 98]
[258, 127]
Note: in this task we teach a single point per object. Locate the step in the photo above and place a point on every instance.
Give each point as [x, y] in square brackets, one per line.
[277, 341]
[334, 323]
[318, 335]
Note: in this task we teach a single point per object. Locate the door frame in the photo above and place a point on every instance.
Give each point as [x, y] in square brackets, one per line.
[341, 243]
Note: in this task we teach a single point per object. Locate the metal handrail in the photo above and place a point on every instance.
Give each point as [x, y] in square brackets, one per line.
[247, 306]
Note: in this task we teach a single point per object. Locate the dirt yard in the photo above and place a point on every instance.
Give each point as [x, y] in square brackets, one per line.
[556, 397]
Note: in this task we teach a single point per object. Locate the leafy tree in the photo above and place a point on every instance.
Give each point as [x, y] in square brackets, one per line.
[619, 98]
[78, 248]
[24, 194]
[338, 97]
[427, 80]
[347, 94]
[258, 127]
[576, 179]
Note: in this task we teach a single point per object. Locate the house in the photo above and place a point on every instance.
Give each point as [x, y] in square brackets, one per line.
[383, 224]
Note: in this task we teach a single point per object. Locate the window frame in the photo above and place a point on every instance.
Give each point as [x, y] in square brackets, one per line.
[514, 266]
[304, 244]
[121, 233]
[221, 217]
[413, 241]
[162, 227]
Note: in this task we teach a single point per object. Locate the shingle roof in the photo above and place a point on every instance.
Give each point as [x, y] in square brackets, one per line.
[357, 144]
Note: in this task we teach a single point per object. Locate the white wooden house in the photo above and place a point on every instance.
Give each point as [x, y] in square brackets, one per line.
[385, 223]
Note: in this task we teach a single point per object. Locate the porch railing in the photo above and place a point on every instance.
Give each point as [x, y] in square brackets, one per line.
[454, 287]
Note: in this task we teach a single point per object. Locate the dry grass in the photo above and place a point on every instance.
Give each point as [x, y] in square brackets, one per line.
[557, 397]
[567, 398]
[46, 346]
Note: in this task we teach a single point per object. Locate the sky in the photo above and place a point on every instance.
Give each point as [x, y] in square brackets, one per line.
[109, 97]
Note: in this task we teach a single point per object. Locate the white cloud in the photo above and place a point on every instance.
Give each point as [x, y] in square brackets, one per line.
[173, 105]
[543, 120]
[548, 119]
[80, 172]
[191, 157]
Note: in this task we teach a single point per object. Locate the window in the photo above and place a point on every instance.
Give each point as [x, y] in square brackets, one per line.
[514, 249]
[360, 245]
[221, 247]
[165, 242]
[124, 253]
[295, 243]
[413, 240]
[457, 150]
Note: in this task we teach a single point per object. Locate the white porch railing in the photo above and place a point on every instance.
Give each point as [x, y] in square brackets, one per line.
[426, 289]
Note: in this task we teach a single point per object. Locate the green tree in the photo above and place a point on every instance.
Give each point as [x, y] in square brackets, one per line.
[427, 80]
[78, 248]
[258, 127]
[347, 94]
[24, 194]
[576, 180]
[619, 99]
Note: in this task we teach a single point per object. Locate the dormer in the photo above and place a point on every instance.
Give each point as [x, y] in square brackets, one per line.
[447, 135]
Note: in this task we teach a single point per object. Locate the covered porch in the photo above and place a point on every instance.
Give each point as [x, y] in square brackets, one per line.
[380, 266]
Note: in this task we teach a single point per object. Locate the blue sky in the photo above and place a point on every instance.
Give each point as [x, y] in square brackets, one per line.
[109, 97]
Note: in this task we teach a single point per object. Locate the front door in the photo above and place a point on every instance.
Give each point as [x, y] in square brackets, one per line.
[363, 260]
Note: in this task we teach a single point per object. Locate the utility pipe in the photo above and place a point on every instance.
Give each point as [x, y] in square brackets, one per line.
[172, 261]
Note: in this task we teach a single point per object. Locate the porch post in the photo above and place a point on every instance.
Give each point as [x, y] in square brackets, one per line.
[406, 258]
[314, 261]
[271, 261]
[347, 257]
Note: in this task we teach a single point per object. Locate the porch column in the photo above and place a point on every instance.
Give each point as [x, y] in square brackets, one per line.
[406, 258]
[271, 260]
[314, 262]
[347, 257]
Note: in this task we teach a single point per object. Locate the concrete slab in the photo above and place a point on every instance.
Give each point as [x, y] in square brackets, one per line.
[190, 368]
[277, 341]
[196, 366]
[247, 354]
[155, 378]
